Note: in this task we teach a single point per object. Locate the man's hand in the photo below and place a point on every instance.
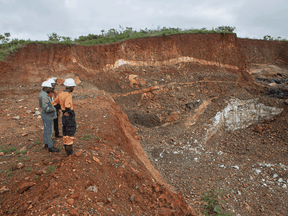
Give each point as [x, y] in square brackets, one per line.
[66, 114]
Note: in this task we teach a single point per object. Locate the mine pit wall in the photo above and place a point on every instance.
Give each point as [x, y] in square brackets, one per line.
[265, 52]
[35, 62]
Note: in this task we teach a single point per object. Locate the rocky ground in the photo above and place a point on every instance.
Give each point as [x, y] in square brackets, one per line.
[104, 177]
[245, 156]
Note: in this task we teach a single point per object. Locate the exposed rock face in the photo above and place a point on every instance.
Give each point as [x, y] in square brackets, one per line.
[240, 114]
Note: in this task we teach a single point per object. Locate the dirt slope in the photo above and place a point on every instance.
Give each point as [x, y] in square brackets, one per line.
[209, 111]
[109, 160]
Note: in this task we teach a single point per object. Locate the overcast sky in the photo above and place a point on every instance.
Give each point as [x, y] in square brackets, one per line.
[35, 19]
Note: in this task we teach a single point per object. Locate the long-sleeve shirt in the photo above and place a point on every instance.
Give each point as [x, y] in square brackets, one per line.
[48, 110]
[64, 99]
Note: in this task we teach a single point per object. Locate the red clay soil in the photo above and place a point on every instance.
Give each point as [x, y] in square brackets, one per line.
[108, 158]
[36, 61]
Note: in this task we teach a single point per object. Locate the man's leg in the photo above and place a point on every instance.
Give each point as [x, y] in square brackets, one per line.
[47, 133]
[70, 128]
[56, 124]
[56, 128]
[64, 132]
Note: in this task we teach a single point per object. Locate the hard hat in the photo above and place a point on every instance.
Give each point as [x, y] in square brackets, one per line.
[52, 81]
[54, 78]
[69, 82]
[46, 84]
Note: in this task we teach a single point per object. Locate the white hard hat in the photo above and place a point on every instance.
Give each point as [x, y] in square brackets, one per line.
[69, 82]
[54, 78]
[52, 81]
[46, 84]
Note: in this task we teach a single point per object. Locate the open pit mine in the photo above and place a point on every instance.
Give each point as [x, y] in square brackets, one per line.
[160, 122]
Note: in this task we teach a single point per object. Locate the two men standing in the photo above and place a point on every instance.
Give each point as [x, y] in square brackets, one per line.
[48, 114]
[49, 108]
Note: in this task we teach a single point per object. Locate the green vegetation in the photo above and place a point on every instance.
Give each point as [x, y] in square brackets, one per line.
[17, 152]
[28, 169]
[86, 137]
[37, 143]
[7, 174]
[212, 205]
[268, 37]
[6, 150]
[8, 46]
[51, 169]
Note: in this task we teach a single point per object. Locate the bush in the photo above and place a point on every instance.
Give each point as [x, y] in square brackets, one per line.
[225, 29]
[54, 37]
[212, 205]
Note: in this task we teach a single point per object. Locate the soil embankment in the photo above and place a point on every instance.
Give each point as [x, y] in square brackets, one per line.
[36, 61]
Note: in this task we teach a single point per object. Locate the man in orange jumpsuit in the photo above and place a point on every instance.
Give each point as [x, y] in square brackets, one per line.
[53, 95]
[68, 118]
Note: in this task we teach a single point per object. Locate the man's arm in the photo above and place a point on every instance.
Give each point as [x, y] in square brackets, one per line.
[68, 106]
[68, 101]
[56, 101]
[47, 107]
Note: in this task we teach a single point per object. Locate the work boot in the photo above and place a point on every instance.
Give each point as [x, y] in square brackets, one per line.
[54, 149]
[68, 149]
[58, 136]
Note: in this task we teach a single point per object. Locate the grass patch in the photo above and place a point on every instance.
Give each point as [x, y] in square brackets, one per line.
[38, 150]
[212, 205]
[37, 143]
[8, 150]
[51, 169]
[86, 137]
[28, 169]
[9, 173]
